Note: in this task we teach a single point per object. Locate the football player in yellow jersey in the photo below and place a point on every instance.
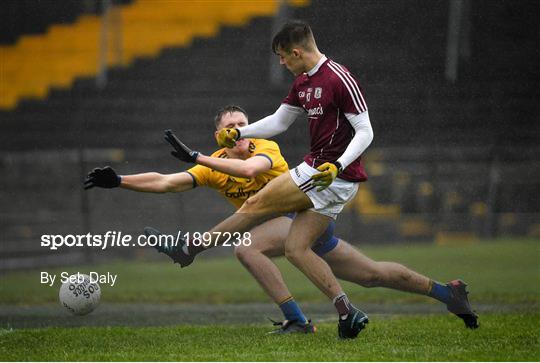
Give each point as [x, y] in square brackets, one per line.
[239, 172]
[244, 170]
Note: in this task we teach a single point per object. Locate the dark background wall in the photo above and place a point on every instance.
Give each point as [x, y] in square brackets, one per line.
[456, 156]
[20, 17]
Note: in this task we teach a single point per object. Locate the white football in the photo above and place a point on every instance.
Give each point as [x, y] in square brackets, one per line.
[79, 295]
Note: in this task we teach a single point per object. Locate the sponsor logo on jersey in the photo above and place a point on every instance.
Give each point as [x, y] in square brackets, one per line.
[315, 111]
[301, 94]
[232, 179]
[241, 194]
[318, 92]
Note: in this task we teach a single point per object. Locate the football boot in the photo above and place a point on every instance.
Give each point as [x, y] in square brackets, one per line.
[174, 251]
[293, 326]
[354, 323]
[459, 303]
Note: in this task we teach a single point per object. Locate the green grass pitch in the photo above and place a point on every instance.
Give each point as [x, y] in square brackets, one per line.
[504, 279]
[414, 338]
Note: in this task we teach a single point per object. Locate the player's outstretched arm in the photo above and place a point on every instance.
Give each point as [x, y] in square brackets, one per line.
[157, 183]
[147, 182]
[265, 128]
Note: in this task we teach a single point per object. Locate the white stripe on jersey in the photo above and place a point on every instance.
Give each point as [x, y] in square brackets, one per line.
[350, 84]
[339, 74]
[355, 84]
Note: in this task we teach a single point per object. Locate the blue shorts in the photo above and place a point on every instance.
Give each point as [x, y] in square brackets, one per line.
[326, 241]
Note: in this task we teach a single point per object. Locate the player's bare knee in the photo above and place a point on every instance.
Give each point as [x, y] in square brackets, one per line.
[251, 205]
[291, 255]
[242, 253]
[294, 254]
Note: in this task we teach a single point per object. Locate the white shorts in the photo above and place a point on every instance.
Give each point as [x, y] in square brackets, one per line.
[329, 201]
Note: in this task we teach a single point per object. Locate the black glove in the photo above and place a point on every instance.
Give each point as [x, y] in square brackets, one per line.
[102, 177]
[181, 152]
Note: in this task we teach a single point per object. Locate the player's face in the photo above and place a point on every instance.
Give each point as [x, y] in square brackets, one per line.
[235, 120]
[291, 60]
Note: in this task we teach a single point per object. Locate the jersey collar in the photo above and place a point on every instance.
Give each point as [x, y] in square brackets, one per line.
[314, 70]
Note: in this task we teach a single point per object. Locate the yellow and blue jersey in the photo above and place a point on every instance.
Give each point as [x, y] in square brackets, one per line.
[235, 189]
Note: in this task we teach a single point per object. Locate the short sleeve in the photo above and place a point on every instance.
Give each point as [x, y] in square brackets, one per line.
[200, 174]
[270, 150]
[348, 95]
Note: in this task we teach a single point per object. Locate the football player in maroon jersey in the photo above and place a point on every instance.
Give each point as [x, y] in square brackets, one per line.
[317, 189]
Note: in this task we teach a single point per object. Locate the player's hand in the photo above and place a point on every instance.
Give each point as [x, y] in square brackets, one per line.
[181, 151]
[102, 177]
[228, 137]
[328, 173]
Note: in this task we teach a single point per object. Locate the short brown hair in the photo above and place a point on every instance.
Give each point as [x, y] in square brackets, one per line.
[294, 32]
[227, 109]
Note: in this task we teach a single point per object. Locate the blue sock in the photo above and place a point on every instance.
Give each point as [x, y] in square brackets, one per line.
[292, 311]
[440, 292]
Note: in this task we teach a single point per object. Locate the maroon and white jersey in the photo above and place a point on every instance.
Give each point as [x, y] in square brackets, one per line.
[327, 94]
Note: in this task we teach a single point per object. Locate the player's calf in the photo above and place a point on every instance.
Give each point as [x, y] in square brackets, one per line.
[242, 253]
[370, 278]
[294, 255]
